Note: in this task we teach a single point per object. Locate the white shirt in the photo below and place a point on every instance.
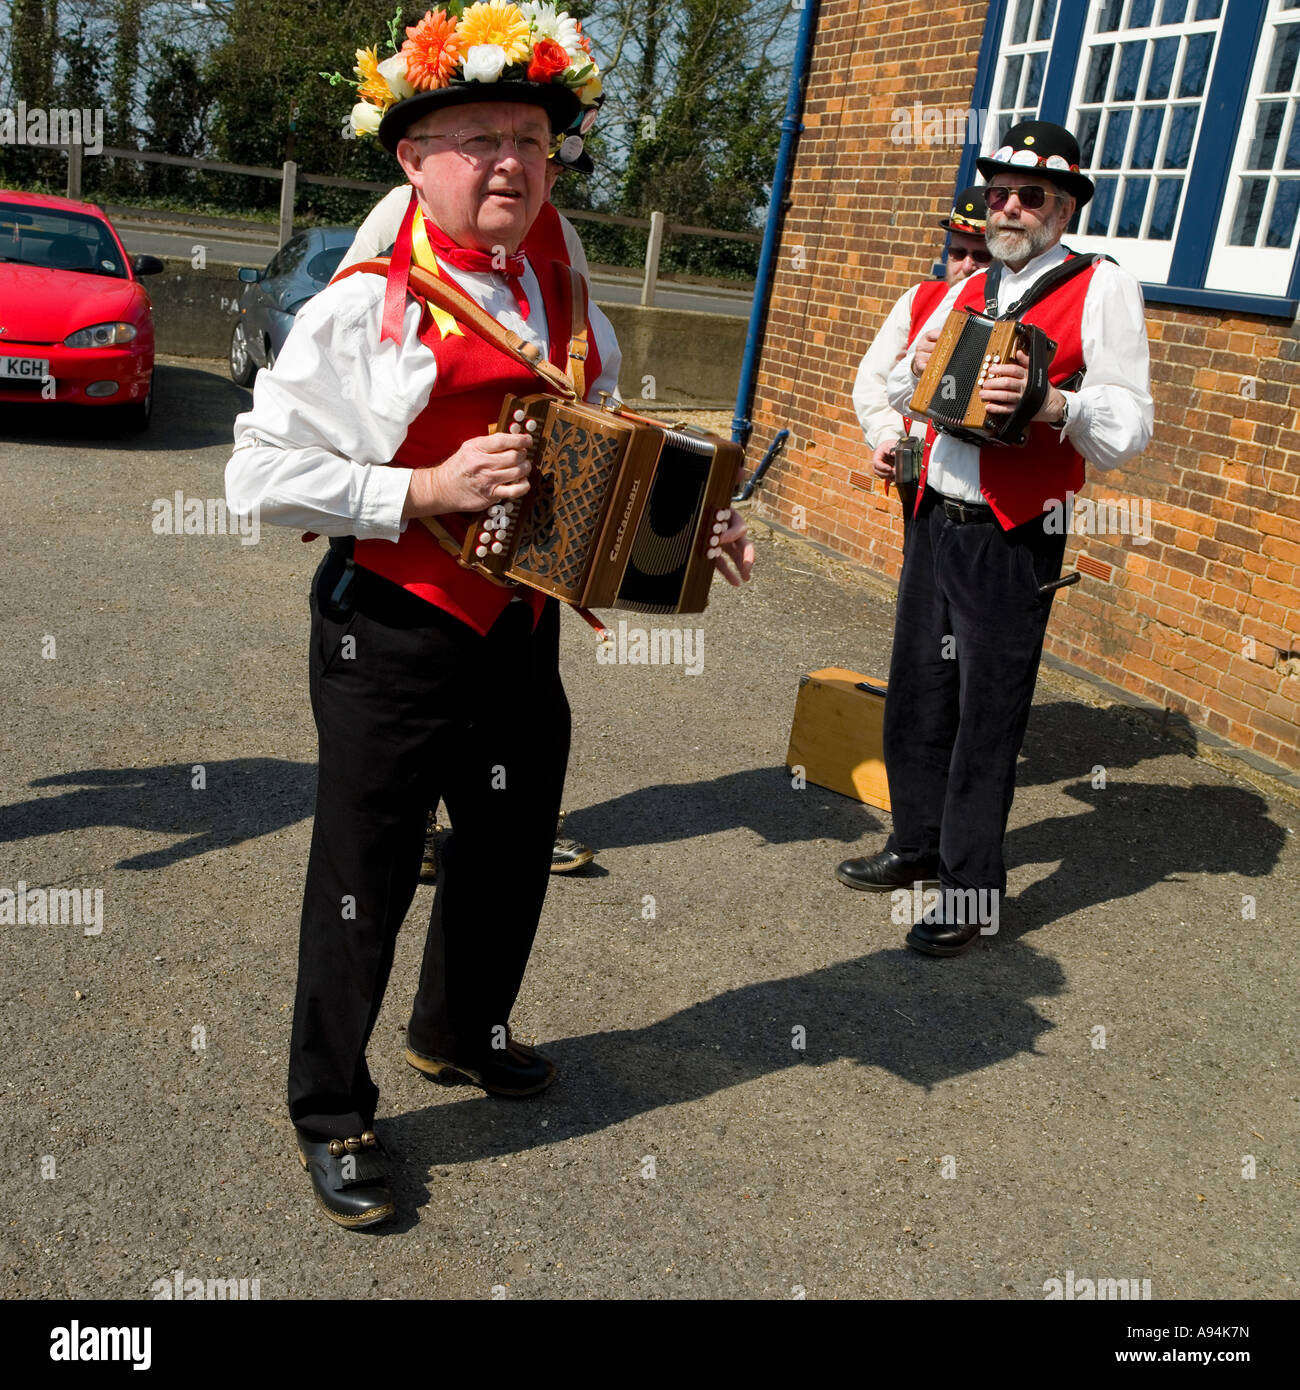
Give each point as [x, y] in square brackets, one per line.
[881, 423]
[379, 231]
[313, 452]
[1111, 415]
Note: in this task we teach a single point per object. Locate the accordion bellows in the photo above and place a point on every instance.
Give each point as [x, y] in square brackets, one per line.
[622, 512]
[948, 393]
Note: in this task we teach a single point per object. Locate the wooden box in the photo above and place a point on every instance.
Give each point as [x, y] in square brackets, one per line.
[837, 737]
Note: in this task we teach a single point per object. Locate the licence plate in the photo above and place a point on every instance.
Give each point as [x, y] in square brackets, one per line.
[24, 368]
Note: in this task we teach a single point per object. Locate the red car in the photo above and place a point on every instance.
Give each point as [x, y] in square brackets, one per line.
[76, 325]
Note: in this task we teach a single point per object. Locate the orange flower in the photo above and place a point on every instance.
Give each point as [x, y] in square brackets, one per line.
[583, 39]
[433, 51]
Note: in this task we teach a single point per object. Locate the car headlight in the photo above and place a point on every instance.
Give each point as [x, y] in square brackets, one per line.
[101, 335]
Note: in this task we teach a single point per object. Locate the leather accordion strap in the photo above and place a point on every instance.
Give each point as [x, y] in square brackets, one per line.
[457, 303]
[578, 333]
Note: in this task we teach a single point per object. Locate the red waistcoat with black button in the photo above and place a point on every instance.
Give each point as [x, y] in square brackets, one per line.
[473, 379]
[1020, 483]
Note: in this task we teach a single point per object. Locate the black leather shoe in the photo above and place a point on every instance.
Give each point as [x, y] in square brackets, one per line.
[350, 1178]
[943, 938]
[885, 871]
[514, 1070]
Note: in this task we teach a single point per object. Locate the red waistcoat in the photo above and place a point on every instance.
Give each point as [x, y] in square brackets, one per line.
[929, 295]
[473, 379]
[1019, 483]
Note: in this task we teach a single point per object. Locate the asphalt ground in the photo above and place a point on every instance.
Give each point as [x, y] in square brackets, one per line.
[950, 1129]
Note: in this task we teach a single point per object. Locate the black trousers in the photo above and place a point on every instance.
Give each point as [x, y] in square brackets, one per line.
[415, 707]
[968, 637]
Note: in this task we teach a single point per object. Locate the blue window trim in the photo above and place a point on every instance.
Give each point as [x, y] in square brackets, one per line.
[1225, 102]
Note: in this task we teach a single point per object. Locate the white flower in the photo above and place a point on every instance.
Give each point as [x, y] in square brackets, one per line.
[484, 62]
[393, 71]
[590, 89]
[548, 23]
[365, 118]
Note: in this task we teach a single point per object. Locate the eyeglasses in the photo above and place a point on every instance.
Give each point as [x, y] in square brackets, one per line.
[1030, 195]
[483, 146]
[979, 256]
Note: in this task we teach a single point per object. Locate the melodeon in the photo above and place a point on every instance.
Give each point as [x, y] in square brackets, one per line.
[948, 394]
[623, 512]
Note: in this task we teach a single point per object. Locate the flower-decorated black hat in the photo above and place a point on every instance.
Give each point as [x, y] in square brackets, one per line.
[1045, 150]
[969, 212]
[491, 50]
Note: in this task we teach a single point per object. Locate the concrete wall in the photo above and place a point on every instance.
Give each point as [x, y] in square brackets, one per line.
[670, 356]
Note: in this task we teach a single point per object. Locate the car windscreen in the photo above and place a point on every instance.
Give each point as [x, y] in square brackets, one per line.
[58, 240]
[324, 263]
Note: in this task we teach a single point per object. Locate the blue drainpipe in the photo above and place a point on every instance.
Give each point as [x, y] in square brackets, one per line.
[741, 425]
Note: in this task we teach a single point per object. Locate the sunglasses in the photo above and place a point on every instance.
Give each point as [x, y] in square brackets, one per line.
[980, 256]
[1030, 194]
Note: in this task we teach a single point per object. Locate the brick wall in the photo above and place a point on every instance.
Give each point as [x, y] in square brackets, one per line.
[1204, 619]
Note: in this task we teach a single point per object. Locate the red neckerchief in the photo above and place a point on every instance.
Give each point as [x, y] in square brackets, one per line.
[465, 259]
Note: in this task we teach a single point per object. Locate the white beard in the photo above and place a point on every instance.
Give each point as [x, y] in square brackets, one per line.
[1021, 243]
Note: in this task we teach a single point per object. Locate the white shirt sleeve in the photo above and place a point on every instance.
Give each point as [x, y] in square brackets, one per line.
[901, 383]
[1112, 416]
[881, 423]
[313, 452]
[378, 232]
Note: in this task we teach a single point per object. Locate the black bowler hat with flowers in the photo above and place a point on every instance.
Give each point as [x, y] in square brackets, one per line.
[1045, 150]
[969, 212]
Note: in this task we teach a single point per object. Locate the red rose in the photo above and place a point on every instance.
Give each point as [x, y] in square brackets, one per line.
[549, 60]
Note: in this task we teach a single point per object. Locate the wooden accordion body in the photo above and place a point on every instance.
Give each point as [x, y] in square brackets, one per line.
[623, 512]
[948, 393]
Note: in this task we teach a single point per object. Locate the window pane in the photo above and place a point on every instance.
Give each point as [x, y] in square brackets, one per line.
[1011, 80]
[1281, 62]
[1281, 226]
[1132, 207]
[1112, 151]
[1164, 58]
[1094, 89]
[1045, 18]
[1268, 128]
[1195, 65]
[1172, 11]
[1130, 67]
[1099, 209]
[1020, 29]
[1250, 207]
[1089, 123]
[1109, 20]
[1034, 81]
[1292, 157]
[1208, 9]
[1139, 13]
[1182, 126]
[1148, 138]
[1165, 211]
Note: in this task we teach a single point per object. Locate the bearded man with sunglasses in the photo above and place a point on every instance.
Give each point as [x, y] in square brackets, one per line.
[427, 680]
[966, 253]
[976, 589]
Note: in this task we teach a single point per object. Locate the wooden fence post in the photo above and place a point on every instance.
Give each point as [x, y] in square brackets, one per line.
[290, 176]
[652, 249]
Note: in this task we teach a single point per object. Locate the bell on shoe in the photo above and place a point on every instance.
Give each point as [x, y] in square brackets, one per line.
[349, 1177]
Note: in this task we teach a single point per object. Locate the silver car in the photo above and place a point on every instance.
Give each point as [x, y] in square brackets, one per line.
[298, 270]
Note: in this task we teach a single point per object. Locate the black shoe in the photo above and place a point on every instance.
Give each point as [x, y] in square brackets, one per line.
[943, 938]
[514, 1070]
[567, 855]
[350, 1178]
[886, 870]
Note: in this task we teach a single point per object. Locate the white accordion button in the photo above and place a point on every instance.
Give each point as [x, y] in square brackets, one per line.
[531, 426]
[712, 553]
[498, 548]
[496, 509]
[480, 551]
[722, 516]
[485, 536]
[518, 415]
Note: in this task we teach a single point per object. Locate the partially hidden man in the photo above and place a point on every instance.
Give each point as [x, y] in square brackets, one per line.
[426, 679]
[973, 603]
